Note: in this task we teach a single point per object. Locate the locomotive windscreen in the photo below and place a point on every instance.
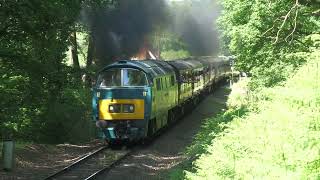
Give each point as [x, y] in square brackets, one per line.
[122, 78]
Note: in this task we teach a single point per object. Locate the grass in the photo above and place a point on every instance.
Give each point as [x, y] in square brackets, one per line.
[211, 128]
[271, 133]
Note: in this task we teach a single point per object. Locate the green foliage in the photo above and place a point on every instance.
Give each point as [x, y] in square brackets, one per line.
[269, 38]
[35, 84]
[277, 139]
[279, 136]
[210, 129]
[170, 45]
[171, 54]
[68, 120]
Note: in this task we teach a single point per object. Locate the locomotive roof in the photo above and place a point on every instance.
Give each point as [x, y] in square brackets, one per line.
[159, 67]
[196, 62]
[152, 67]
[180, 64]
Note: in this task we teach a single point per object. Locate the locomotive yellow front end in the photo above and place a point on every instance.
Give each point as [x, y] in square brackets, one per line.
[121, 109]
[122, 102]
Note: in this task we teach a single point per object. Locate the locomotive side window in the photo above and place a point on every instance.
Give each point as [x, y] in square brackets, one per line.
[184, 78]
[166, 82]
[158, 84]
[172, 80]
[163, 83]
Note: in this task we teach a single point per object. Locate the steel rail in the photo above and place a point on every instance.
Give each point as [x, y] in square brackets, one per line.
[108, 168]
[73, 165]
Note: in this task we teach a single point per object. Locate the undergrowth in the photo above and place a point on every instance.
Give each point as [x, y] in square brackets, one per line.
[270, 133]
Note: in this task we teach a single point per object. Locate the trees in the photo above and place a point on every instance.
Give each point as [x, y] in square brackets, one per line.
[33, 41]
[42, 97]
[269, 38]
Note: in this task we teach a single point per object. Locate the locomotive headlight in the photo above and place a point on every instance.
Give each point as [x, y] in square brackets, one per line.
[111, 108]
[115, 108]
[128, 108]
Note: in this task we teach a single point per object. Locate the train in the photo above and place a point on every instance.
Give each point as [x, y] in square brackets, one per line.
[133, 100]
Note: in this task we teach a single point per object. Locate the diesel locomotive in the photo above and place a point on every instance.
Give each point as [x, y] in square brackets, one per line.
[133, 100]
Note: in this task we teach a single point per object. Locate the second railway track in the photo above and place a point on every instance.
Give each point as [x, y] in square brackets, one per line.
[91, 165]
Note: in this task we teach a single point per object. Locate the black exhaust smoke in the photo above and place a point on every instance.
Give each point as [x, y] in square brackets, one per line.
[195, 22]
[120, 29]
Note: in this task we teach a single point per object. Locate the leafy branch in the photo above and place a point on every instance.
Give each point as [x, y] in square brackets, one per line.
[295, 6]
[284, 21]
[295, 26]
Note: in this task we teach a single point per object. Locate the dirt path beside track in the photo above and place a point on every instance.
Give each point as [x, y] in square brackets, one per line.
[37, 161]
[155, 160]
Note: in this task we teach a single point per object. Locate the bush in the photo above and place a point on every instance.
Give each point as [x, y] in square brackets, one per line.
[29, 113]
[69, 119]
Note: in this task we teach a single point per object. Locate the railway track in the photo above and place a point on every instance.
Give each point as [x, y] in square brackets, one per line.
[91, 165]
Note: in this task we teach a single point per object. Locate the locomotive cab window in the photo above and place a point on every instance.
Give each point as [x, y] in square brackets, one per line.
[110, 77]
[122, 77]
[133, 77]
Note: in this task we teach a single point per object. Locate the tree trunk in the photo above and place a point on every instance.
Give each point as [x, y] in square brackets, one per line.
[74, 51]
[88, 78]
[90, 52]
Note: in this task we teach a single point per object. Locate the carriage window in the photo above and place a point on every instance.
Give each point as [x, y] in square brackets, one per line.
[122, 77]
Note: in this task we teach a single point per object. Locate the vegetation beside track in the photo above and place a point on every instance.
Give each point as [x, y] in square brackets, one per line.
[266, 133]
[271, 129]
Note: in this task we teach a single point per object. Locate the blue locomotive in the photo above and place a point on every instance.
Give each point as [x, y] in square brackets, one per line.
[133, 100]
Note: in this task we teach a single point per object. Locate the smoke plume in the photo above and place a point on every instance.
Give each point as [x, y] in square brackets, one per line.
[194, 21]
[120, 29]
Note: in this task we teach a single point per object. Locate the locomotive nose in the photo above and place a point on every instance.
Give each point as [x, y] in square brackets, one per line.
[121, 109]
